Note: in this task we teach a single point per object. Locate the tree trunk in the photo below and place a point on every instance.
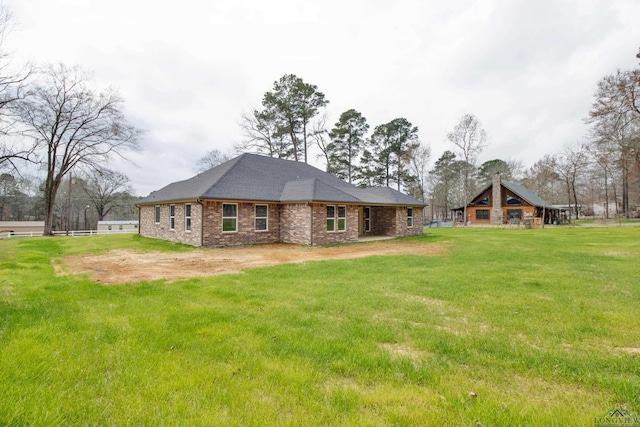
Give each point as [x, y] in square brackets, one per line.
[625, 191]
[575, 199]
[304, 138]
[51, 189]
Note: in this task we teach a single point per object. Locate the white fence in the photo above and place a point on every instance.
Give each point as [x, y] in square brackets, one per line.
[72, 233]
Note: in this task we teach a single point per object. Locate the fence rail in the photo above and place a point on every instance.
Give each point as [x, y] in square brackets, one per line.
[72, 233]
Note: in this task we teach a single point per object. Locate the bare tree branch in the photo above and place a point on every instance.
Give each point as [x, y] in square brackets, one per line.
[73, 127]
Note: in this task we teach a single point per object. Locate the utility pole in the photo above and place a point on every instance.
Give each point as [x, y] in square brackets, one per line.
[69, 205]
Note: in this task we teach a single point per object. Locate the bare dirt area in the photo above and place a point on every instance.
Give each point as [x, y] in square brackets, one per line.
[123, 266]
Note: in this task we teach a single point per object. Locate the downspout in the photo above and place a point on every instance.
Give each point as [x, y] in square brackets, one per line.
[139, 219]
[199, 201]
[310, 223]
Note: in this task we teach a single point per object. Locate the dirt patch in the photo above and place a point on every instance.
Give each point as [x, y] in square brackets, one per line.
[630, 350]
[403, 350]
[122, 266]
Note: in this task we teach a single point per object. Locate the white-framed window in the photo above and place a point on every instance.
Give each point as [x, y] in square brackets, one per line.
[187, 217]
[342, 218]
[157, 209]
[229, 217]
[336, 218]
[367, 219]
[409, 217]
[120, 227]
[172, 217]
[262, 217]
[331, 218]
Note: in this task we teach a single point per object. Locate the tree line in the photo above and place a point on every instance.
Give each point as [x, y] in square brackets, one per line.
[601, 172]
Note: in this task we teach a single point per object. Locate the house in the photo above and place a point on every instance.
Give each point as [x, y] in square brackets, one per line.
[256, 199]
[21, 228]
[503, 202]
[123, 226]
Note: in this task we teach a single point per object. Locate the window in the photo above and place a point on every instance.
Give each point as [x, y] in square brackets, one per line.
[187, 217]
[409, 217]
[172, 217]
[482, 214]
[262, 217]
[157, 214]
[120, 227]
[513, 201]
[514, 214]
[109, 227]
[342, 218]
[367, 219]
[229, 217]
[331, 218]
[483, 202]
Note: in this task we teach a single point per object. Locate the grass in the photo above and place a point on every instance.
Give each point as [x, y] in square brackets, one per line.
[511, 327]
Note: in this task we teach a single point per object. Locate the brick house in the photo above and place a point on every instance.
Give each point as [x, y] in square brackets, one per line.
[504, 202]
[256, 199]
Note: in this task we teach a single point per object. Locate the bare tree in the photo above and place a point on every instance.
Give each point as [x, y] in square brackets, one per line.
[261, 136]
[101, 186]
[419, 158]
[603, 158]
[318, 137]
[542, 178]
[13, 89]
[615, 120]
[73, 127]
[469, 138]
[572, 163]
[444, 178]
[212, 159]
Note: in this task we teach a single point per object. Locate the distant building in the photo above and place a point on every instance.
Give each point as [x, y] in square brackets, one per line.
[124, 225]
[8, 228]
[504, 202]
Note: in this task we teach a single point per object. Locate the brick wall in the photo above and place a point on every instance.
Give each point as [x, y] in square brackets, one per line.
[295, 225]
[161, 230]
[290, 223]
[402, 229]
[383, 221]
[245, 233]
[320, 234]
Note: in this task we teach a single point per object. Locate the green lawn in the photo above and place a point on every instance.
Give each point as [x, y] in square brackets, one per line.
[512, 327]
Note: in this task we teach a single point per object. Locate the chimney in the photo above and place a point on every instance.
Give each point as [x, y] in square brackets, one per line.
[496, 200]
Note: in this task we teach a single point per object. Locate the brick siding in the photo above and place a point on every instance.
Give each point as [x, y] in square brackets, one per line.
[161, 230]
[321, 236]
[245, 233]
[296, 223]
[289, 223]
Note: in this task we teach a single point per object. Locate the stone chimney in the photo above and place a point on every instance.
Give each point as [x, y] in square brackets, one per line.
[496, 200]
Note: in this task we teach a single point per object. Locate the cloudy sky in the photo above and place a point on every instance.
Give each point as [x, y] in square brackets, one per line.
[188, 69]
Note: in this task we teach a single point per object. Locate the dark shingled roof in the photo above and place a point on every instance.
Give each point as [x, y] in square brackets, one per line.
[260, 178]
